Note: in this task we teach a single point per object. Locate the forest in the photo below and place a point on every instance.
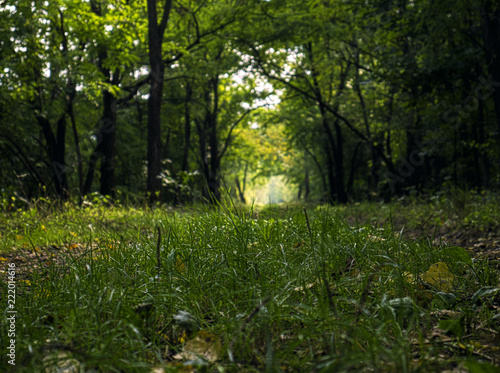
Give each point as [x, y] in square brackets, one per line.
[249, 186]
[179, 100]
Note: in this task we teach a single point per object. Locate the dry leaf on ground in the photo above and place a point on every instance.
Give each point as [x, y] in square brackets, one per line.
[204, 345]
[439, 276]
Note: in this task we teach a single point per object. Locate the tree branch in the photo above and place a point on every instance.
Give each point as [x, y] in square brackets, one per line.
[233, 126]
[198, 39]
[167, 7]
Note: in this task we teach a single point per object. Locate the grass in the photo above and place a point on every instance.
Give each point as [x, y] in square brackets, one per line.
[282, 289]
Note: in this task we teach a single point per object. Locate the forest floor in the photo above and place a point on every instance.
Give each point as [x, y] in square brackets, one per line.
[461, 336]
[481, 242]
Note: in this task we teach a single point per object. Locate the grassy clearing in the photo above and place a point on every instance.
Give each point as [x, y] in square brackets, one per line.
[275, 290]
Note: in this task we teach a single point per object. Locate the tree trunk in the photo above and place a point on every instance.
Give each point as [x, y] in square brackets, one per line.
[154, 123]
[491, 36]
[240, 190]
[320, 170]
[78, 151]
[213, 179]
[55, 154]
[307, 186]
[339, 163]
[106, 146]
[373, 183]
[157, 67]
[89, 178]
[108, 132]
[483, 158]
[187, 129]
[350, 182]
[335, 148]
[332, 192]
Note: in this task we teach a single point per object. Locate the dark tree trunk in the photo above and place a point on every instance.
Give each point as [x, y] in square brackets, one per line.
[211, 152]
[105, 149]
[157, 67]
[307, 185]
[320, 170]
[89, 178]
[412, 167]
[154, 123]
[241, 194]
[59, 152]
[373, 183]
[350, 182]
[106, 137]
[55, 145]
[339, 163]
[77, 148]
[241, 188]
[483, 158]
[213, 181]
[335, 161]
[332, 192]
[187, 129]
[334, 148]
[490, 16]
[108, 132]
[334, 152]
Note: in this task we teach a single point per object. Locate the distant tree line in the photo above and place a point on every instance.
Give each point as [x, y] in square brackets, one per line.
[179, 99]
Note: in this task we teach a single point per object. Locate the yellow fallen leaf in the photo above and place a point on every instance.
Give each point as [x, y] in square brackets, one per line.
[308, 286]
[205, 345]
[179, 265]
[157, 370]
[2, 259]
[299, 245]
[440, 277]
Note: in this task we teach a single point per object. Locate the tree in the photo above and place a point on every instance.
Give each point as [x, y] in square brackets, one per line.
[156, 32]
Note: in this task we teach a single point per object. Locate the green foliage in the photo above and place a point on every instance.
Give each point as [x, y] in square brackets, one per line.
[346, 102]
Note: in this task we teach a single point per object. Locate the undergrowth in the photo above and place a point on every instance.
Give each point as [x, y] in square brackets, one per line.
[281, 289]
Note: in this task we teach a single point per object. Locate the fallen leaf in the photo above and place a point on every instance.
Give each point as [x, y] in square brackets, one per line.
[61, 362]
[308, 286]
[299, 245]
[205, 345]
[439, 276]
[157, 370]
[179, 265]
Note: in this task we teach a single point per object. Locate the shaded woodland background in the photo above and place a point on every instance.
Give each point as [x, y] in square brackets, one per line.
[177, 100]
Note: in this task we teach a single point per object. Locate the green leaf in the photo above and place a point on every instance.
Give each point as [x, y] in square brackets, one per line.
[457, 254]
[446, 299]
[485, 291]
[474, 366]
